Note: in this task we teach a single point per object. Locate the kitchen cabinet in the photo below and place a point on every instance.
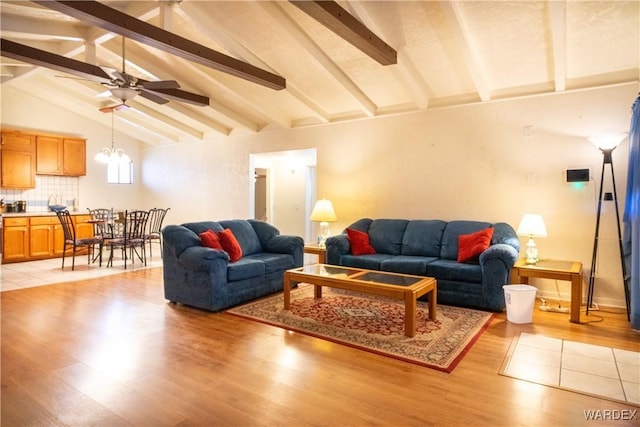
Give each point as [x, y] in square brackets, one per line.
[15, 239]
[83, 227]
[74, 157]
[57, 155]
[17, 160]
[42, 237]
[39, 237]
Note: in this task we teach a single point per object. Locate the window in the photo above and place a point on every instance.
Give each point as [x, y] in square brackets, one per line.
[120, 172]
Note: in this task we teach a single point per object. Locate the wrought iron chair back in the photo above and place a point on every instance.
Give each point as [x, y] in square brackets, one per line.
[154, 228]
[103, 227]
[132, 237]
[71, 240]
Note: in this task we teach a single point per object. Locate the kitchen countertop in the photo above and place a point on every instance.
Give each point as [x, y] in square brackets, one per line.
[43, 213]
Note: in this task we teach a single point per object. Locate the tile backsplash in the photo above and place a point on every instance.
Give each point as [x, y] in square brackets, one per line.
[46, 186]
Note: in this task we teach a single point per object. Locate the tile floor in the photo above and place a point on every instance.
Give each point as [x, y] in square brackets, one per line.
[37, 273]
[603, 371]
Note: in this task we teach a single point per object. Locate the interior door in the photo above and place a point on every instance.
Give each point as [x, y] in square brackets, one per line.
[261, 208]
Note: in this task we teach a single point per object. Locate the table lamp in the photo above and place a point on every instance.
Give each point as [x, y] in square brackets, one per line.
[532, 225]
[324, 214]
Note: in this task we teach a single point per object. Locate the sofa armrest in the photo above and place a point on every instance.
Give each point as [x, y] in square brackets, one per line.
[503, 252]
[293, 245]
[336, 247]
[496, 264]
[200, 258]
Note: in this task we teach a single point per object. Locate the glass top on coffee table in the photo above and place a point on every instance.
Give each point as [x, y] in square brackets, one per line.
[334, 271]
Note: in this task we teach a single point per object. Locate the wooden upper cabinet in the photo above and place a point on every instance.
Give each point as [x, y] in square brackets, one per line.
[27, 153]
[17, 140]
[58, 155]
[17, 160]
[74, 156]
[49, 155]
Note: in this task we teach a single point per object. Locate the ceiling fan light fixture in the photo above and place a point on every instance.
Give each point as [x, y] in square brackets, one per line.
[123, 93]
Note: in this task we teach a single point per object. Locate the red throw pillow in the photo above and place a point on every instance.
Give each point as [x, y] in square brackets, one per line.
[210, 239]
[470, 246]
[230, 244]
[359, 242]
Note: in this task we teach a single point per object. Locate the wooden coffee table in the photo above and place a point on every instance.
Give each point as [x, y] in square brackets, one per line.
[398, 286]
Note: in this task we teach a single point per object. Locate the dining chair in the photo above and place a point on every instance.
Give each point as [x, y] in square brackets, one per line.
[71, 240]
[132, 238]
[100, 219]
[154, 228]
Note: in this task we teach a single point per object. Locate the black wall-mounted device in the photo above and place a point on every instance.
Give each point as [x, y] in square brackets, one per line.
[578, 175]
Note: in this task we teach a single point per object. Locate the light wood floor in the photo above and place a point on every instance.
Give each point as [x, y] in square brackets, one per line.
[111, 351]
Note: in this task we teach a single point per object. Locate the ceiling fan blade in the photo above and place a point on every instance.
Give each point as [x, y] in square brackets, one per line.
[161, 84]
[183, 96]
[153, 97]
[112, 108]
[113, 73]
[73, 78]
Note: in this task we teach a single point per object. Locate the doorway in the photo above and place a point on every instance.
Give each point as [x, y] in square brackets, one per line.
[283, 190]
[261, 209]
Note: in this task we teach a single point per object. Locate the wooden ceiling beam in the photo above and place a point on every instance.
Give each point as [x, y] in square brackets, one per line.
[115, 21]
[334, 17]
[46, 59]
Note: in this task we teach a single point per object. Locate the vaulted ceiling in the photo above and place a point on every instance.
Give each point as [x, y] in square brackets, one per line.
[332, 66]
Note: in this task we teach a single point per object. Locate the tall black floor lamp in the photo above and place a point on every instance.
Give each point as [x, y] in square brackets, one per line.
[606, 149]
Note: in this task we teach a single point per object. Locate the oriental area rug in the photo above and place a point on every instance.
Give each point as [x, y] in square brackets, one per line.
[374, 324]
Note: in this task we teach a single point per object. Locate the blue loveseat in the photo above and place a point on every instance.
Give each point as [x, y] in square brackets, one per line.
[430, 248]
[203, 277]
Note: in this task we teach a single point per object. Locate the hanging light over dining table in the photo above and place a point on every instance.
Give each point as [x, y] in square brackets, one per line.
[112, 155]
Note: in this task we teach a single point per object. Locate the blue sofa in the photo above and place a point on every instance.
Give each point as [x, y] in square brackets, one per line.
[430, 248]
[202, 277]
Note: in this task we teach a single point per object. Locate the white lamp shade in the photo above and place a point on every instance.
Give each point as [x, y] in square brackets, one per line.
[532, 225]
[607, 141]
[323, 212]
[123, 93]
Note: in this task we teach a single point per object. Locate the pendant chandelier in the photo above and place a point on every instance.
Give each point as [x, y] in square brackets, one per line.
[112, 155]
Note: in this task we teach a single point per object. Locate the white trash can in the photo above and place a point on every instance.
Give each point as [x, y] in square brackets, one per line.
[520, 300]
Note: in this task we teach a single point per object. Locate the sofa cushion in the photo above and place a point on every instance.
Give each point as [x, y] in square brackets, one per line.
[274, 262]
[264, 231]
[359, 242]
[202, 226]
[453, 229]
[423, 237]
[455, 271]
[407, 264]
[211, 240]
[369, 262]
[470, 246]
[245, 234]
[230, 244]
[386, 235]
[245, 268]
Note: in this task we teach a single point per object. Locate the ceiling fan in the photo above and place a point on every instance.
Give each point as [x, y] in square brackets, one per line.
[119, 82]
[125, 86]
